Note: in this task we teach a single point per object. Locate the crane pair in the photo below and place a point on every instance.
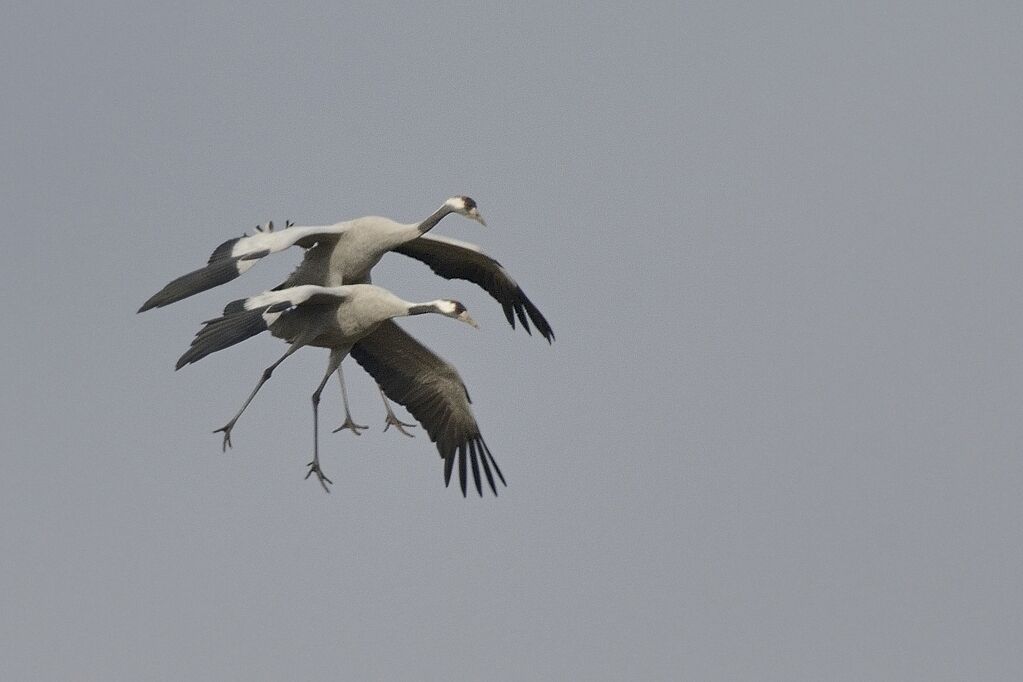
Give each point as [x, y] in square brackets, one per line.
[329, 302]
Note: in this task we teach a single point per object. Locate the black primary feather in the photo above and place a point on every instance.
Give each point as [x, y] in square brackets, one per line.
[224, 250]
[431, 390]
[458, 262]
[222, 333]
[213, 275]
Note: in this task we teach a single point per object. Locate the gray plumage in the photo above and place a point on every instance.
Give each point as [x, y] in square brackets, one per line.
[433, 392]
[223, 332]
[345, 253]
[357, 319]
[453, 259]
[213, 275]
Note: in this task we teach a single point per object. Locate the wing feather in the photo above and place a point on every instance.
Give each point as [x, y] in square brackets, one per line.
[454, 259]
[235, 256]
[432, 391]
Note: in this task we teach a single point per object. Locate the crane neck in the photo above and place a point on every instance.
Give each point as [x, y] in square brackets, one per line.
[422, 308]
[435, 218]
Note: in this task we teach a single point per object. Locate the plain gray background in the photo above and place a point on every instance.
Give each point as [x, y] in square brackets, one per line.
[778, 436]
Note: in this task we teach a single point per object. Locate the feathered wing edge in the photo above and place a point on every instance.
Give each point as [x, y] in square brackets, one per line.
[235, 256]
[437, 400]
[453, 259]
[235, 326]
[522, 305]
[213, 275]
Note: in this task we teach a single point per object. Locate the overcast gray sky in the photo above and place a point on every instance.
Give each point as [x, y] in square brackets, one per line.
[778, 436]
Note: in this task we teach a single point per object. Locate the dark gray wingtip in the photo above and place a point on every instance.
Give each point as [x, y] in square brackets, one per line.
[475, 467]
[461, 467]
[197, 281]
[486, 470]
[224, 250]
[449, 462]
[539, 321]
[493, 461]
[182, 361]
[222, 333]
[471, 455]
[521, 313]
[524, 309]
[235, 307]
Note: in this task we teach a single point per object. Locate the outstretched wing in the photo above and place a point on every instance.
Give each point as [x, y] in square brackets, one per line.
[247, 317]
[455, 259]
[431, 390]
[305, 294]
[235, 256]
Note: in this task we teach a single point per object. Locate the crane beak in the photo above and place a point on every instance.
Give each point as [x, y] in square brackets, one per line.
[475, 215]
[464, 317]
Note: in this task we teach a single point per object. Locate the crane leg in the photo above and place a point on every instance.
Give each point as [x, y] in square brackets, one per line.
[392, 420]
[349, 424]
[336, 356]
[226, 429]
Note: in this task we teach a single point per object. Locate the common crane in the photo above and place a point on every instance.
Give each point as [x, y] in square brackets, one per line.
[345, 253]
[357, 319]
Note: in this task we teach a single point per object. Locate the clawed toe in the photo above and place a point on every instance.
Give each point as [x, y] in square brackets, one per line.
[314, 467]
[227, 436]
[357, 429]
[391, 420]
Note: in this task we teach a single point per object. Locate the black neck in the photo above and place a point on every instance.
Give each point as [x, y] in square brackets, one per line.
[421, 309]
[432, 221]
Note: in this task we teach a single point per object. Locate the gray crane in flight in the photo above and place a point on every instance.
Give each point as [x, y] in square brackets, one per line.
[357, 319]
[346, 252]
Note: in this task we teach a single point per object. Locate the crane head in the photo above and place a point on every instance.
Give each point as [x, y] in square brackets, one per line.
[456, 310]
[467, 207]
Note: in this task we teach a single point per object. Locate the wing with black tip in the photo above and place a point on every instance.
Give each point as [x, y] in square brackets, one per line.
[455, 259]
[235, 256]
[431, 390]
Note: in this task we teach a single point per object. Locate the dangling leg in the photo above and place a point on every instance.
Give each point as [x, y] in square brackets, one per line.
[392, 420]
[336, 356]
[349, 424]
[262, 380]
